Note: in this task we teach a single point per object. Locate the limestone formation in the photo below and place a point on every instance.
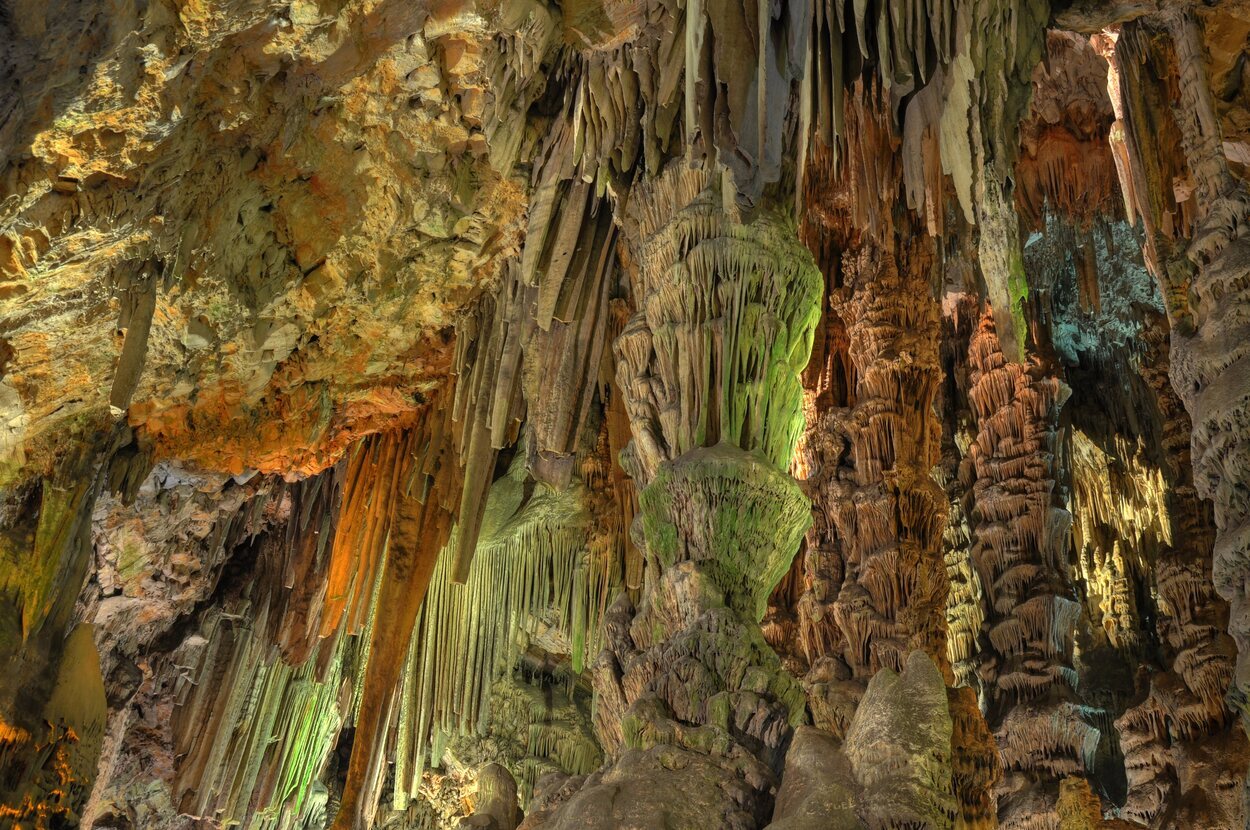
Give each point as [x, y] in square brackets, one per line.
[624, 414]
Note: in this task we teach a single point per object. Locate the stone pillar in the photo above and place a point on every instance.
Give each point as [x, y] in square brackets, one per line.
[693, 704]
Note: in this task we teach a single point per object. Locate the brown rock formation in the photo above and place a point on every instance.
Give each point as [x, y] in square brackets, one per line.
[876, 581]
[1022, 557]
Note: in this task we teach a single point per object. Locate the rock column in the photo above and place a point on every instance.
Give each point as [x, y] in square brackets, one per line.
[692, 702]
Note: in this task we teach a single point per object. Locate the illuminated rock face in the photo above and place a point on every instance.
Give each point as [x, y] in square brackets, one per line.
[624, 413]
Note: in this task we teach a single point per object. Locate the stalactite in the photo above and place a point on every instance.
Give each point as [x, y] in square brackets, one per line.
[253, 701]
[1154, 172]
[535, 553]
[45, 548]
[1066, 164]
[295, 565]
[487, 406]
[1008, 41]
[372, 479]
[424, 513]
[564, 352]
[720, 79]
[843, 42]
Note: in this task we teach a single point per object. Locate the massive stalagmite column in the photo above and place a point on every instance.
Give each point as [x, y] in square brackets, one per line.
[692, 703]
[876, 579]
[1210, 368]
[1021, 553]
[884, 510]
[891, 511]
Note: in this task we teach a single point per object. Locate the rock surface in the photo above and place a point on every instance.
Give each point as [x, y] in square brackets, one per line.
[817, 787]
[624, 413]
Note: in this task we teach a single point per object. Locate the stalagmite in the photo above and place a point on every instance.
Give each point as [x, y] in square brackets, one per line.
[708, 369]
[900, 751]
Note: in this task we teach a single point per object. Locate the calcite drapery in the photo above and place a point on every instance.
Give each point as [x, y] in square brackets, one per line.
[534, 556]
[726, 312]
